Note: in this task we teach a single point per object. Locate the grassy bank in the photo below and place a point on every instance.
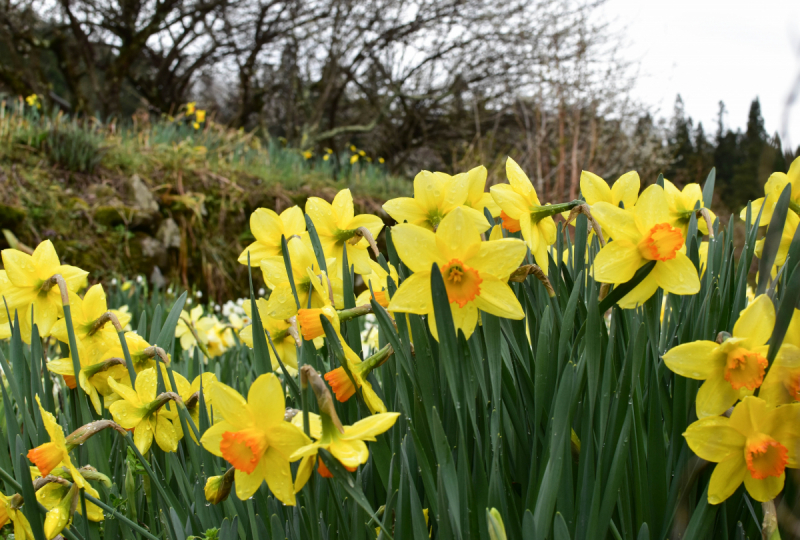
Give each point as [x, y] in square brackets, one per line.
[122, 199]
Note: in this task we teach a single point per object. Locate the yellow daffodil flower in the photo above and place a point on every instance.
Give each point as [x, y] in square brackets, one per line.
[472, 271]
[268, 227]
[378, 281]
[772, 191]
[49, 455]
[85, 315]
[782, 383]
[53, 493]
[347, 446]
[142, 353]
[353, 159]
[220, 339]
[755, 446]
[308, 280]
[197, 322]
[141, 411]
[93, 375]
[343, 387]
[625, 190]
[254, 438]
[10, 510]
[308, 154]
[436, 194]
[190, 107]
[733, 369]
[196, 125]
[682, 205]
[200, 115]
[281, 338]
[641, 235]
[59, 516]
[338, 226]
[523, 212]
[30, 287]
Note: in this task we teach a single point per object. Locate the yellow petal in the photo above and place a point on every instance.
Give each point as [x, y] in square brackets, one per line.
[466, 318]
[626, 190]
[715, 396]
[618, 223]
[286, 438]
[293, 221]
[370, 427]
[146, 384]
[407, 209]
[497, 298]
[45, 259]
[677, 276]
[350, 453]
[499, 257]
[265, 399]
[749, 416]
[457, 237]
[520, 182]
[713, 439]
[322, 214]
[726, 478]
[695, 360]
[278, 474]
[143, 436]
[764, 490]
[230, 406]
[594, 189]
[651, 209]
[617, 262]
[20, 268]
[248, 484]
[416, 247]
[127, 414]
[640, 294]
[456, 193]
[509, 201]
[165, 433]
[414, 295]
[343, 207]
[429, 191]
[213, 436]
[304, 472]
[756, 322]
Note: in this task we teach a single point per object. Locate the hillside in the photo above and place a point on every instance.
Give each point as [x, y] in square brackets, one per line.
[122, 201]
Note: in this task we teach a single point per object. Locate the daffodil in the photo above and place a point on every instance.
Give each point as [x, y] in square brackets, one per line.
[10, 510]
[641, 235]
[190, 107]
[141, 411]
[436, 194]
[31, 287]
[218, 488]
[523, 212]
[683, 203]
[342, 385]
[279, 333]
[142, 353]
[345, 443]
[471, 270]
[772, 192]
[308, 280]
[90, 330]
[353, 159]
[200, 115]
[93, 375]
[308, 154]
[193, 328]
[339, 228]
[733, 369]
[192, 405]
[60, 515]
[254, 438]
[49, 455]
[50, 495]
[377, 282]
[268, 227]
[220, 339]
[755, 446]
[625, 189]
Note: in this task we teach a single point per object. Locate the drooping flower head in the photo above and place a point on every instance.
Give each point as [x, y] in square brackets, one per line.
[522, 211]
[377, 281]
[684, 203]
[49, 455]
[639, 236]
[473, 271]
[278, 330]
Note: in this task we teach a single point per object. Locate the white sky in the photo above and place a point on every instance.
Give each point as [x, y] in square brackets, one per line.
[712, 50]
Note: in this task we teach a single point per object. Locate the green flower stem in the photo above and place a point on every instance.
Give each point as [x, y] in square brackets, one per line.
[548, 211]
[795, 207]
[353, 313]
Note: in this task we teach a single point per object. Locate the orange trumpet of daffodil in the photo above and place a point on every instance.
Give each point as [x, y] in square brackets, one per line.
[474, 272]
[755, 446]
[733, 369]
[254, 438]
[641, 235]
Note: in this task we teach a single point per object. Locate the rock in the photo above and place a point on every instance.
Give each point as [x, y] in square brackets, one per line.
[169, 234]
[142, 197]
[10, 216]
[153, 251]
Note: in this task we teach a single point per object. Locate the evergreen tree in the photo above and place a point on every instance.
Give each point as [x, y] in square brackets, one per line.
[703, 157]
[756, 156]
[726, 157]
[681, 146]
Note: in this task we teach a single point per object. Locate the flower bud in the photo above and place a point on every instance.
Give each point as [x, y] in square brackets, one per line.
[494, 521]
[219, 487]
[60, 517]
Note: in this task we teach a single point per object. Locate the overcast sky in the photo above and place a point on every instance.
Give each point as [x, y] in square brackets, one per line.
[712, 50]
